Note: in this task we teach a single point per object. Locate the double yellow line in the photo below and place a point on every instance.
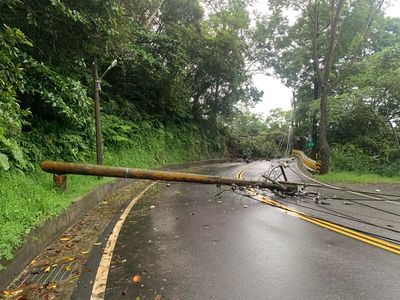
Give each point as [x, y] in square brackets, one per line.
[325, 224]
[241, 173]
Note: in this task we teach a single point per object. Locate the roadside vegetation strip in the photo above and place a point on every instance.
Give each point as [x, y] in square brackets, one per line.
[323, 223]
[359, 193]
[28, 199]
[100, 282]
[352, 177]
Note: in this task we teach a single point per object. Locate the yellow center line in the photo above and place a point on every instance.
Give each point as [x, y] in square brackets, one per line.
[325, 224]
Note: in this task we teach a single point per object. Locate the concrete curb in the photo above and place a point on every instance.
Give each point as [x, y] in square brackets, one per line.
[40, 237]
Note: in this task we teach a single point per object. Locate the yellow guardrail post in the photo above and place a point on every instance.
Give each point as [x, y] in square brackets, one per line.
[310, 164]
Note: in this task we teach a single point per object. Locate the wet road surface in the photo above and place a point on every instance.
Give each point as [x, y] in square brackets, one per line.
[187, 242]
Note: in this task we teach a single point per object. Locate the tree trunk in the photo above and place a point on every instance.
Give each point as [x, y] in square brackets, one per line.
[314, 126]
[153, 14]
[324, 148]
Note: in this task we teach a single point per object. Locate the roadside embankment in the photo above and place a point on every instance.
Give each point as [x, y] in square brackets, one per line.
[41, 236]
[357, 178]
[29, 202]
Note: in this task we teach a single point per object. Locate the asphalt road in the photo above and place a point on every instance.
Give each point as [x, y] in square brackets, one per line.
[188, 241]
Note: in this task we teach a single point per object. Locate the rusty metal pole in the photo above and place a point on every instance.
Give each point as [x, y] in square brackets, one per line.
[96, 98]
[95, 170]
[60, 181]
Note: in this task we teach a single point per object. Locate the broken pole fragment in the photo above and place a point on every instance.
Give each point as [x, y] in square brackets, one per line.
[120, 172]
[60, 181]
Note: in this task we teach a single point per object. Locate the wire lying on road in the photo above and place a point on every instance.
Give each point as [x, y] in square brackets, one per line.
[330, 212]
[367, 237]
[383, 242]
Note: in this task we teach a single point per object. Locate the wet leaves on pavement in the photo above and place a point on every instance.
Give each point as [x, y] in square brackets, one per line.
[137, 279]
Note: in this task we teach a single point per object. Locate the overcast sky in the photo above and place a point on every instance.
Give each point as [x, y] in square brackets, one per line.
[275, 93]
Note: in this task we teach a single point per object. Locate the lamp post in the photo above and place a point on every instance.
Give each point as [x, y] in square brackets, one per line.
[96, 98]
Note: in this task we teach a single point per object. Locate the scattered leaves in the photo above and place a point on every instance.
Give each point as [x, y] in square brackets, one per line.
[65, 239]
[47, 269]
[67, 258]
[137, 278]
[124, 292]
[11, 293]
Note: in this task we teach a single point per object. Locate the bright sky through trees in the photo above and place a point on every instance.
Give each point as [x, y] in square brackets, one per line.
[276, 94]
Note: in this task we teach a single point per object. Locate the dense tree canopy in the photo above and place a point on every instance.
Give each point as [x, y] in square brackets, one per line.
[189, 63]
[333, 51]
[176, 65]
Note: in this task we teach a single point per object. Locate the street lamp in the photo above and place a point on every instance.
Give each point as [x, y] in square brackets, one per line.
[97, 89]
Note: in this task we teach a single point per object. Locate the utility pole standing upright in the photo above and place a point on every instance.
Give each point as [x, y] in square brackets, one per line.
[99, 140]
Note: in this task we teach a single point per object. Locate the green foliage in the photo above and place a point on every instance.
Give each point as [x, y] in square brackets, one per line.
[42, 112]
[314, 56]
[254, 137]
[363, 122]
[350, 158]
[64, 34]
[356, 177]
[27, 200]
[173, 69]
[376, 84]
[63, 99]
[12, 81]
[179, 80]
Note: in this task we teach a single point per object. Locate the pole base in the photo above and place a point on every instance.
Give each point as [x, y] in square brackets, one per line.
[60, 181]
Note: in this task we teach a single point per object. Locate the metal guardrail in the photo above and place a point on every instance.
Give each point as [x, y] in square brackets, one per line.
[309, 163]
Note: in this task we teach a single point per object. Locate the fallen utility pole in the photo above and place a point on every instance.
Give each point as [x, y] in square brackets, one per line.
[62, 168]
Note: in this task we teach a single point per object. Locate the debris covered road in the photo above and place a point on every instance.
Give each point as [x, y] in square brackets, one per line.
[190, 241]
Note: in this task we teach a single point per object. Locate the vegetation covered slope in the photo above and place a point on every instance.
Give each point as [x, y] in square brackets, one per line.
[179, 77]
[175, 68]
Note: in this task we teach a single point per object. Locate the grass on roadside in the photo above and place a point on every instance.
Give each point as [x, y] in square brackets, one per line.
[29, 199]
[352, 177]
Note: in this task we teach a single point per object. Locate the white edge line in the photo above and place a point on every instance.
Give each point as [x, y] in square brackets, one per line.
[100, 282]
